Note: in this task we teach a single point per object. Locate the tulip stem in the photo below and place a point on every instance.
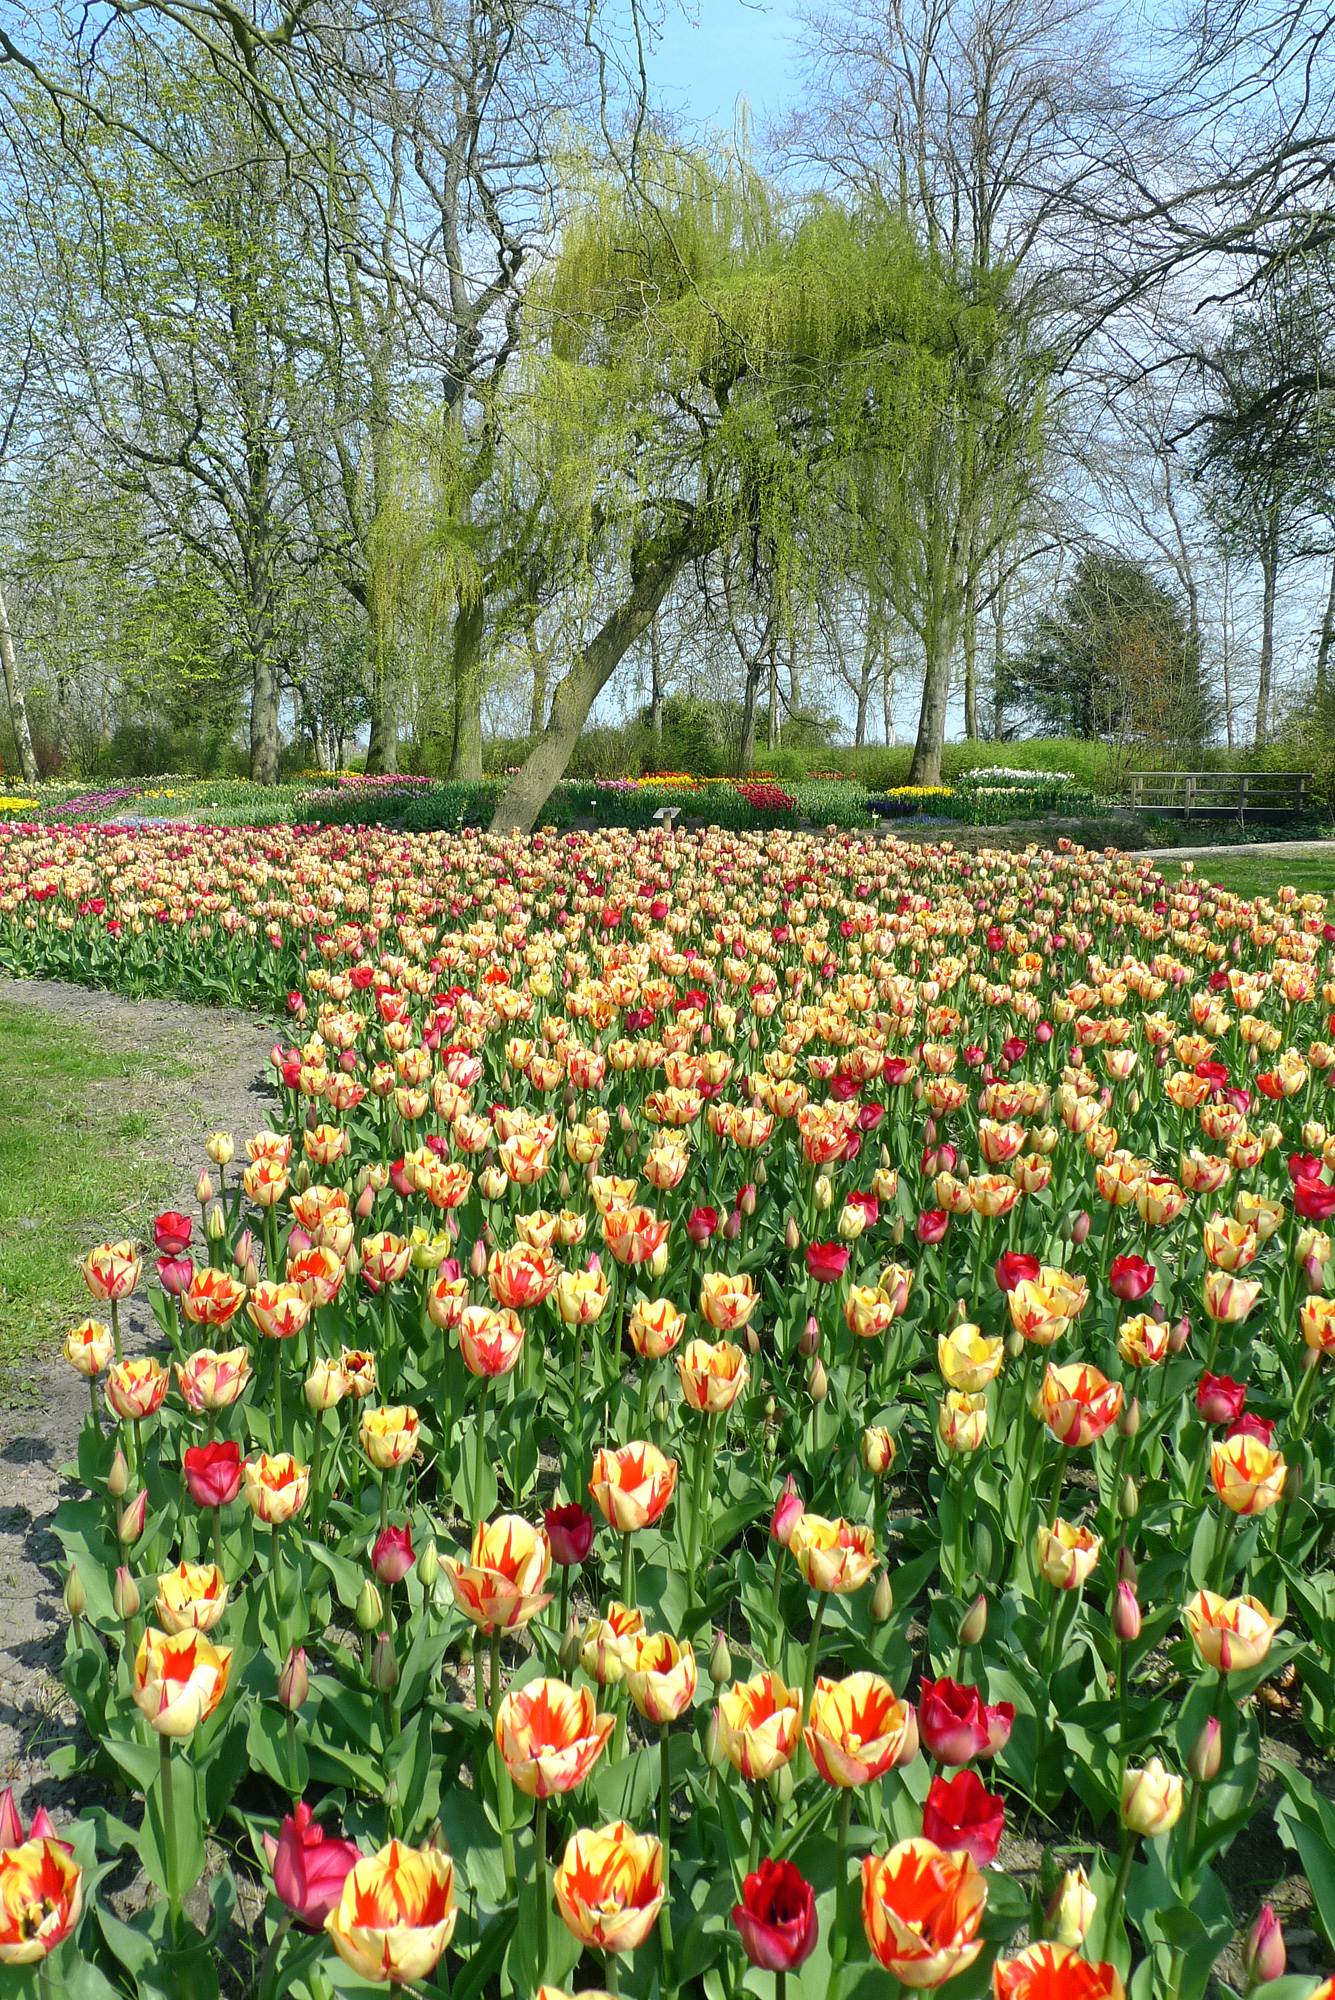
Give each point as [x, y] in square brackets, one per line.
[278, 1395]
[700, 1479]
[613, 1975]
[116, 1326]
[1118, 1896]
[92, 1397]
[502, 1775]
[1054, 1502]
[813, 1647]
[317, 1443]
[384, 1498]
[275, 1551]
[665, 1842]
[540, 1881]
[216, 1513]
[270, 1966]
[1228, 1521]
[753, 1857]
[627, 1573]
[839, 1942]
[780, 1551]
[479, 1456]
[169, 1832]
[565, 1597]
[781, 1986]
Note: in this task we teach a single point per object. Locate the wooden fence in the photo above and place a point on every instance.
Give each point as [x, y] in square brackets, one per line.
[1220, 794]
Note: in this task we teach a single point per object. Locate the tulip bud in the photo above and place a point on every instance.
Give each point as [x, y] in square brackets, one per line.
[1014, 1345]
[428, 1566]
[294, 1683]
[781, 1784]
[762, 1176]
[125, 1598]
[1130, 1498]
[824, 1192]
[384, 1665]
[118, 1479]
[243, 1250]
[1071, 1909]
[568, 1657]
[1179, 1335]
[301, 1178]
[809, 1339]
[1126, 1614]
[477, 1261]
[1206, 1752]
[974, 1623]
[130, 1526]
[563, 1188]
[352, 1263]
[747, 1202]
[1293, 1484]
[1080, 1227]
[364, 1204]
[369, 1607]
[732, 1228]
[752, 1342]
[250, 1277]
[76, 1597]
[882, 1600]
[897, 1233]
[818, 1387]
[215, 1223]
[720, 1661]
[1263, 1953]
[204, 1189]
[714, 1756]
[1129, 1422]
[662, 1410]
[1126, 1568]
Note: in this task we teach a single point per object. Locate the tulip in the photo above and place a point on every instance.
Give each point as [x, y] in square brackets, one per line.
[921, 1911]
[878, 1450]
[276, 1487]
[834, 1555]
[389, 1435]
[957, 1726]
[1054, 1970]
[1071, 1908]
[788, 1512]
[501, 1583]
[961, 1421]
[1126, 1619]
[210, 1381]
[1142, 1342]
[490, 1342]
[550, 1737]
[1078, 1404]
[111, 1271]
[1206, 1753]
[1014, 1267]
[1228, 1300]
[826, 1262]
[41, 1899]
[609, 1887]
[1130, 1278]
[712, 1377]
[522, 1276]
[727, 1302]
[1066, 1556]
[776, 1918]
[759, 1722]
[857, 1729]
[1232, 1634]
[660, 1676]
[1219, 1398]
[960, 1814]
[632, 1486]
[294, 1680]
[392, 1556]
[581, 1296]
[395, 1914]
[309, 1869]
[967, 1359]
[608, 1644]
[1247, 1475]
[654, 1327]
[212, 1298]
[213, 1472]
[130, 1525]
[1263, 1954]
[135, 1389]
[570, 1533]
[278, 1311]
[88, 1348]
[1151, 1799]
[179, 1679]
[192, 1597]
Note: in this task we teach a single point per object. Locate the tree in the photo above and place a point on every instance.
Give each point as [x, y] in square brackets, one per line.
[1116, 660]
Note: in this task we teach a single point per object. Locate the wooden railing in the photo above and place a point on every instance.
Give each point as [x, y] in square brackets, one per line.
[1219, 794]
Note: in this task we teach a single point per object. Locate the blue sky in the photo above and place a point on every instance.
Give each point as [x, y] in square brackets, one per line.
[712, 52]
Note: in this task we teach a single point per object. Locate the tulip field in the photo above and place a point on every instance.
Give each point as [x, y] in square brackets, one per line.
[752, 1381]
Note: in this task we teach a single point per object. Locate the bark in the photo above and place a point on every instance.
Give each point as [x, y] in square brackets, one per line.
[655, 686]
[1324, 643]
[971, 664]
[528, 792]
[18, 708]
[382, 749]
[940, 637]
[265, 699]
[888, 702]
[751, 703]
[469, 627]
[772, 727]
[1269, 574]
[539, 664]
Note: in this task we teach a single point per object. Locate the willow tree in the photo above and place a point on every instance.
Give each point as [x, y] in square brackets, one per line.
[726, 361]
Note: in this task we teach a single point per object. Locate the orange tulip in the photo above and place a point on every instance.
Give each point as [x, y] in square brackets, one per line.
[136, 1388]
[727, 1302]
[759, 1722]
[179, 1679]
[389, 1435]
[633, 1485]
[712, 1377]
[396, 1914]
[522, 1276]
[501, 1583]
[550, 1737]
[858, 1729]
[609, 1886]
[279, 1311]
[111, 1271]
[88, 1348]
[633, 1235]
[1247, 1475]
[275, 1487]
[1316, 1321]
[1054, 1972]
[490, 1342]
[210, 1381]
[1231, 1633]
[265, 1182]
[1077, 1403]
[921, 1911]
[191, 1598]
[41, 1898]
[834, 1556]
[660, 1676]
[655, 1326]
[317, 1273]
[212, 1298]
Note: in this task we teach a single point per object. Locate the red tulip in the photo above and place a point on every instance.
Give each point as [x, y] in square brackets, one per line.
[1263, 1953]
[309, 1869]
[897, 1069]
[1314, 1200]
[826, 1261]
[1015, 1267]
[701, 1224]
[1219, 1398]
[213, 1472]
[957, 1726]
[776, 1917]
[1304, 1167]
[961, 1813]
[788, 1512]
[1250, 1425]
[174, 1275]
[392, 1557]
[932, 1225]
[172, 1233]
[1130, 1277]
[570, 1532]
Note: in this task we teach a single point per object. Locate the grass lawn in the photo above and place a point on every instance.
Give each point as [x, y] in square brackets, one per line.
[73, 1171]
[1253, 872]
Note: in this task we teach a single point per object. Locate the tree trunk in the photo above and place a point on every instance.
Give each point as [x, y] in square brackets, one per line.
[539, 663]
[655, 686]
[998, 662]
[1269, 572]
[1327, 634]
[18, 707]
[528, 792]
[382, 749]
[469, 626]
[888, 701]
[265, 700]
[772, 725]
[971, 663]
[750, 705]
[940, 637]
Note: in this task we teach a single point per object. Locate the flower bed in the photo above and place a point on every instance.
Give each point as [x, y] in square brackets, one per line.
[745, 1370]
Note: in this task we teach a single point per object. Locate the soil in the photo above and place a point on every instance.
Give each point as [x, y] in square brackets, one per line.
[212, 1077]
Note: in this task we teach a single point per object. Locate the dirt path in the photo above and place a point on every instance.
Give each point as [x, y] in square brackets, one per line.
[213, 1076]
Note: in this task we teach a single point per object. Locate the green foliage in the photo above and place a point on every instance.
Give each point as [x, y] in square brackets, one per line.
[830, 802]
